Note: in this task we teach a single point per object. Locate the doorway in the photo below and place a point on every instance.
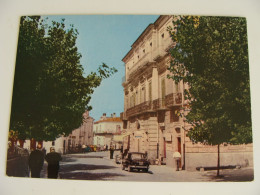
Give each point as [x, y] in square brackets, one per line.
[179, 149]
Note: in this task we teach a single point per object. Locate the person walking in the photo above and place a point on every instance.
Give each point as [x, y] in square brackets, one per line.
[53, 158]
[111, 152]
[36, 160]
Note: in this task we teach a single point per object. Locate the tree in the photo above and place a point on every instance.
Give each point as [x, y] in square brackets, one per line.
[50, 93]
[211, 56]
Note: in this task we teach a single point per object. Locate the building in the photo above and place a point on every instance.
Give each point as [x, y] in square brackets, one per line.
[107, 131]
[80, 136]
[152, 102]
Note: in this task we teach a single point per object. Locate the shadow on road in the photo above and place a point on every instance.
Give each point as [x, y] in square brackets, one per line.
[75, 167]
[82, 156]
[231, 175]
[88, 176]
[79, 171]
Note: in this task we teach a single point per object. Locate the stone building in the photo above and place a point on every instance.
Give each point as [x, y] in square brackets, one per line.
[107, 131]
[151, 105]
[80, 136]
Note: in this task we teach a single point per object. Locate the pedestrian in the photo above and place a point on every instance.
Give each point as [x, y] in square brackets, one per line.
[36, 160]
[53, 158]
[177, 158]
[111, 152]
[106, 147]
[83, 148]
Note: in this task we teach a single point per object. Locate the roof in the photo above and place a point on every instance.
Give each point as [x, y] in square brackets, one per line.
[145, 30]
[109, 119]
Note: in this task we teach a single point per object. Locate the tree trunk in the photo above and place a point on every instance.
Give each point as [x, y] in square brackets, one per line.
[218, 166]
[32, 144]
[21, 142]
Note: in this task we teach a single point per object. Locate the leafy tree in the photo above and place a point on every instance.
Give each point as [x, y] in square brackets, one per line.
[50, 93]
[211, 56]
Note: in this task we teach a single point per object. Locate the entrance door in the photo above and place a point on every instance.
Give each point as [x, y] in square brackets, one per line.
[179, 149]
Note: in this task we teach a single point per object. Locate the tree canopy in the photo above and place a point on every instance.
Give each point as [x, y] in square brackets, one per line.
[211, 56]
[50, 93]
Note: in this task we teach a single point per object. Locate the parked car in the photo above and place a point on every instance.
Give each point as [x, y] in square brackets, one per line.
[135, 160]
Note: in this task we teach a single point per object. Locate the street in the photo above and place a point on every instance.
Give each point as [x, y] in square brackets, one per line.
[98, 166]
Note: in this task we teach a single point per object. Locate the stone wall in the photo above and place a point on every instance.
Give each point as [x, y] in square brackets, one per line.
[194, 160]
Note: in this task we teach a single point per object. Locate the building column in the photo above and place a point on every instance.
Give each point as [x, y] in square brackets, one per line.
[155, 81]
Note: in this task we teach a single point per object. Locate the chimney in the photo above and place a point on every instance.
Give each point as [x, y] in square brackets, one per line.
[114, 115]
[104, 116]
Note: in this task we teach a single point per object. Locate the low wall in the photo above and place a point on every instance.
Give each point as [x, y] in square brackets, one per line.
[194, 160]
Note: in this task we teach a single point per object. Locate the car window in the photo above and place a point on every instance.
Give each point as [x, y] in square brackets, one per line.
[137, 156]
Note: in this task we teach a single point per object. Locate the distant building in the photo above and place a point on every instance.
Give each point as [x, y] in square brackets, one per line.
[151, 103]
[72, 143]
[80, 136]
[107, 130]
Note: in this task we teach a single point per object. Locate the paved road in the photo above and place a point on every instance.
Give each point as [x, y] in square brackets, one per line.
[98, 166]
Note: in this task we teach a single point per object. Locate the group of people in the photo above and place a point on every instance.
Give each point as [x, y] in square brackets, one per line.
[36, 161]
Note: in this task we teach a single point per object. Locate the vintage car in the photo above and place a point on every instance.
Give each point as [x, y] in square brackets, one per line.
[135, 160]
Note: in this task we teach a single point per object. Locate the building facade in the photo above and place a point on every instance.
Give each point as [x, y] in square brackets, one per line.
[107, 131]
[80, 136]
[152, 103]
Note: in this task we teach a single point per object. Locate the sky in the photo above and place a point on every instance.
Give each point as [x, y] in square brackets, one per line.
[106, 39]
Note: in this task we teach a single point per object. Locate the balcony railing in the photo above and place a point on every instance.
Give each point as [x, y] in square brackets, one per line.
[159, 104]
[138, 109]
[173, 99]
[123, 116]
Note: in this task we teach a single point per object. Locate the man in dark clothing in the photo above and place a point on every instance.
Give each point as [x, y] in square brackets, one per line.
[111, 152]
[53, 158]
[36, 160]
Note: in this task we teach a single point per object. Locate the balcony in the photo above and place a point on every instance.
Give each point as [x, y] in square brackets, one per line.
[123, 116]
[173, 99]
[159, 104]
[138, 109]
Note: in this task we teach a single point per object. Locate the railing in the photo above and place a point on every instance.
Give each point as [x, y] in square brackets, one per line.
[159, 104]
[123, 116]
[140, 108]
[173, 99]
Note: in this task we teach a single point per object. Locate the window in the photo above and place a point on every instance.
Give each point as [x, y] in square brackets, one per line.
[143, 94]
[151, 44]
[140, 95]
[53, 143]
[150, 91]
[162, 35]
[163, 90]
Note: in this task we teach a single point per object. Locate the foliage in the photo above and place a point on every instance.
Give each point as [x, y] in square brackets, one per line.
[50, 93]
[211, 56]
